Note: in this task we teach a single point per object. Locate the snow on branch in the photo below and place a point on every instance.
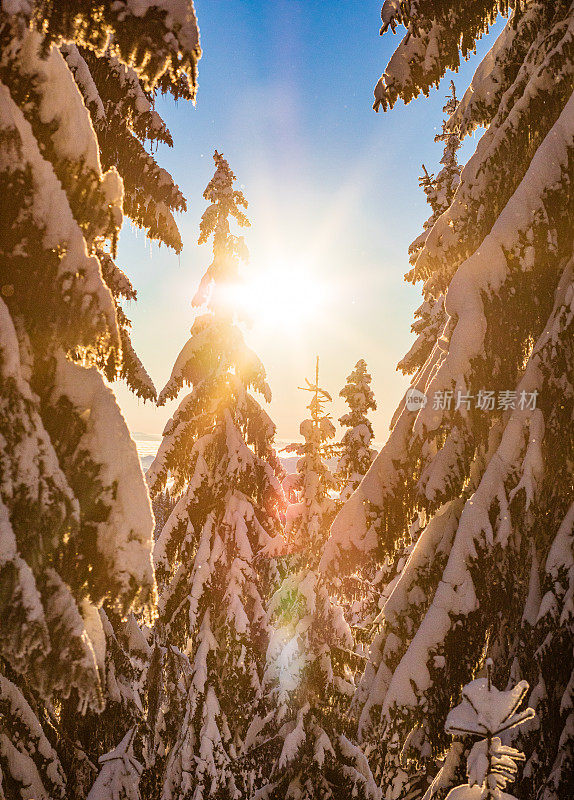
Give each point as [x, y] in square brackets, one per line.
[125, 538]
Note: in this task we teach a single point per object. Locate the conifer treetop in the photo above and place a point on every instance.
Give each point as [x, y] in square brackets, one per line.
[228, 250]
[305, 526]
[358, 395]
[431, 318]
[217, 345]
[319, 427]
[439, 190]
[356, 454]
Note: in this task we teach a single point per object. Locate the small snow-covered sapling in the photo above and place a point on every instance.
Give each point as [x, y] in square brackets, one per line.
[486, 712]
[120, 773]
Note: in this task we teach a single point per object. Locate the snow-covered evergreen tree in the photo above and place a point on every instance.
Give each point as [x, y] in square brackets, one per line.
[356, 452]
[218, 451]
[308, 520]
[358, 593]
[488, 460]
[367, 590]
[75, 518]
[298, 743]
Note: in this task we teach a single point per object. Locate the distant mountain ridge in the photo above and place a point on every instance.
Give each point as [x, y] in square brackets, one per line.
[148, 443]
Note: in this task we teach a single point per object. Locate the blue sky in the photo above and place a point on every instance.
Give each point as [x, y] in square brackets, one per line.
[285, 92]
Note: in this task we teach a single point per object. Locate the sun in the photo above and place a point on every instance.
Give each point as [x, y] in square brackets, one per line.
[283, 297]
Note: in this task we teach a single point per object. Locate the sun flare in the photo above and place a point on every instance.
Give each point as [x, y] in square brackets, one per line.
[284, 297]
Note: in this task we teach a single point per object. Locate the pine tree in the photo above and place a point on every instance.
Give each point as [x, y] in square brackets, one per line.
[366, 591]
[307, 521]
[356, 452]
[358, 593]
[440, 191]
[488, 460]
[218, 452]
[297, 740]
[75, 517]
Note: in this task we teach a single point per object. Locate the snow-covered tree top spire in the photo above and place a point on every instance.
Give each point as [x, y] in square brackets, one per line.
[319, 428]
[430, 317]
[439, 190]
[222, 275]
[356, 453]
[306, 519]
[216, 349]
[449, 135]
[358, 395]
[320, 397]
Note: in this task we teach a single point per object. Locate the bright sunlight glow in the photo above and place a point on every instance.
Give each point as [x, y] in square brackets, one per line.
[283, 297]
